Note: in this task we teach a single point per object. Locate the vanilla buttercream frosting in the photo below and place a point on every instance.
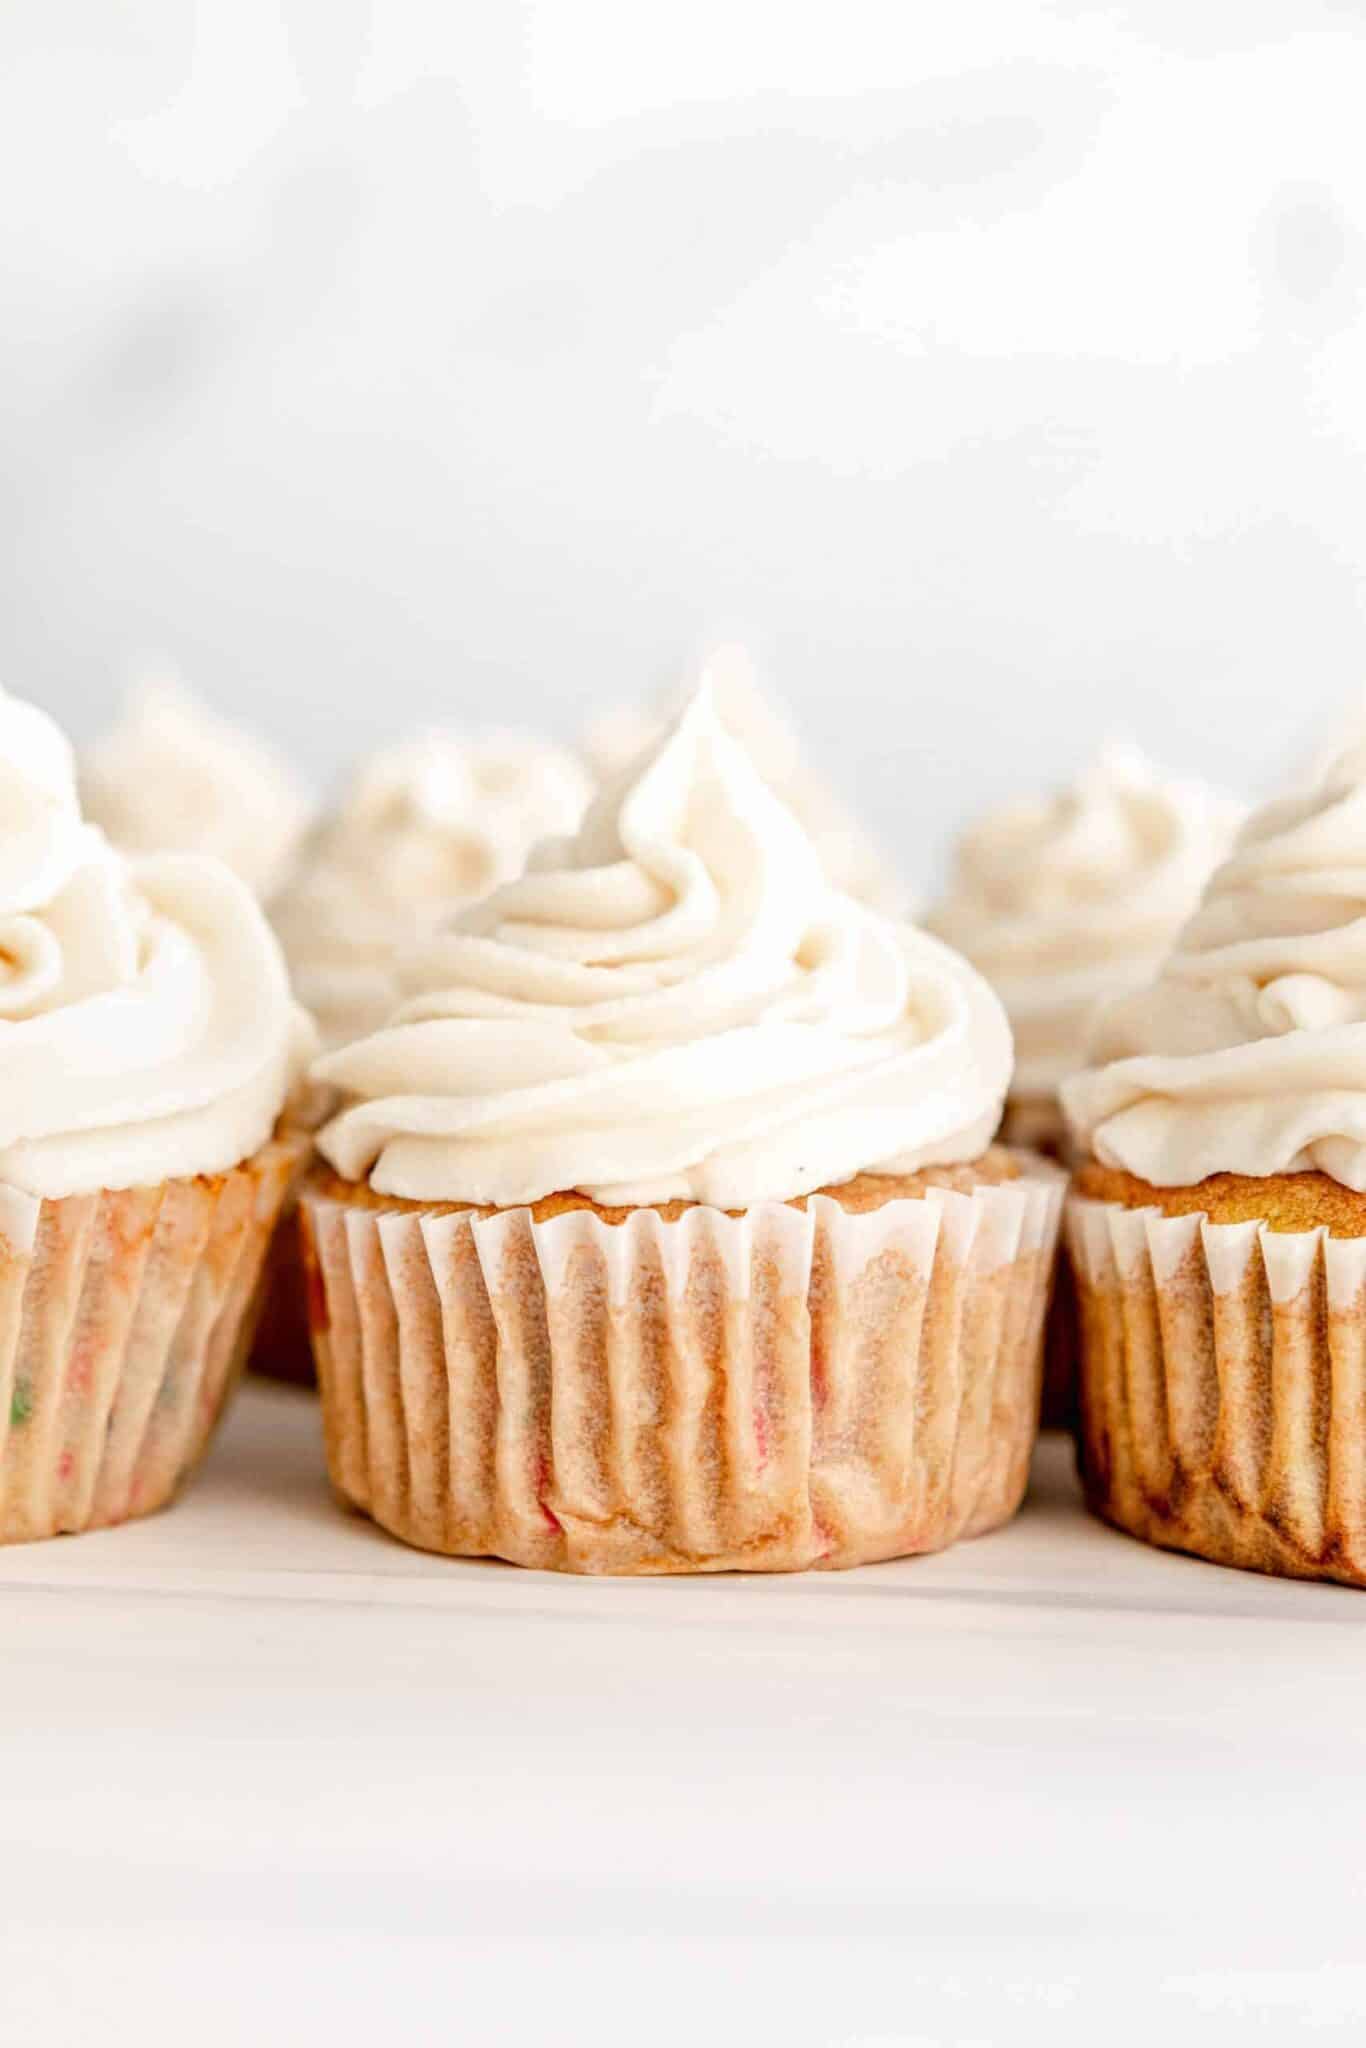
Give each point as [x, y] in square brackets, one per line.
[427, 826]
[1247, 1052]
[146, 1025]
[1065, 901]
[173, 777]
[674, 1005]
[848, 855]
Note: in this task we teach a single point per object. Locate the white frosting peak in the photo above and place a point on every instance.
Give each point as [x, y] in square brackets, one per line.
[146, 1026]
[1065, 901]
[427, 826]
[1247, 1053]
[850, 859]
[675, 1005]
[174, 778]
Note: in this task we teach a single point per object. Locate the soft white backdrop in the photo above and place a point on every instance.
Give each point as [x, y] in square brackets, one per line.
[996, 368]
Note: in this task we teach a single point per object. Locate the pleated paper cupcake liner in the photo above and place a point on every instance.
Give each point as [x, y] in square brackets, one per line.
[124, 1318]
[1223, 1387]
[764, 1392]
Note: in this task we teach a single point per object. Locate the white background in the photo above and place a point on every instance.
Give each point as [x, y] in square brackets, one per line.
[996, 368]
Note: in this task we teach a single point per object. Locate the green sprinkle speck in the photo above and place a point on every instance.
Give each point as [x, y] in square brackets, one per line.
[21, 1403]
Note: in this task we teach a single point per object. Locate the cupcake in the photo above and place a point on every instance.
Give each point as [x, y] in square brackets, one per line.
[1218, 1229]
[848, 856]
[1062, 902]
[427, 826]
[174, 778]
[661, 1231]
[150, 1044]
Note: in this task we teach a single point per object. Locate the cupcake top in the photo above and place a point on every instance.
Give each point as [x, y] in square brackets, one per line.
[1247, 1053]
[850, 859]
[174, 778]
[675, 1005]
[146, 1025]
[1067, 900]
[426, 826]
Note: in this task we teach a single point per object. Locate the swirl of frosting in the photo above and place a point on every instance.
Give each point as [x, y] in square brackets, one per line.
[1247, 1053]
[1066, 901]
[850, 859]
[676, 1005]
[146, 1025]
[427, 826]
[173, 778]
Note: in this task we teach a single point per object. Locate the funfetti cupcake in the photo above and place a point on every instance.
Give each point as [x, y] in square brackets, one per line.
[148, 1044]
[426, 826]
[173, 777]
[662, 1230]
[1067, 900]
[848, 855]
[1219, 1227]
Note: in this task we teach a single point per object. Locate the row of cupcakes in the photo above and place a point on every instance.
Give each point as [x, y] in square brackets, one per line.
[658, 1223]
[658, 1227]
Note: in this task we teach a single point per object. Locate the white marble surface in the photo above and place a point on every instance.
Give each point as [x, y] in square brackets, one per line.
[271, 1777]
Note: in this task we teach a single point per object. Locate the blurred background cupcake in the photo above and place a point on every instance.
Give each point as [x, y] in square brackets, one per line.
[1219, 1225]
[150, 1046]
[661, 1230]
[425, 827]
[1065, 900]
[172, 776]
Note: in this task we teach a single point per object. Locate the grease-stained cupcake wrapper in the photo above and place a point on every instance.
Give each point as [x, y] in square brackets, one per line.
[1224, 1387]
[760, 1392]
[123, 1320]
